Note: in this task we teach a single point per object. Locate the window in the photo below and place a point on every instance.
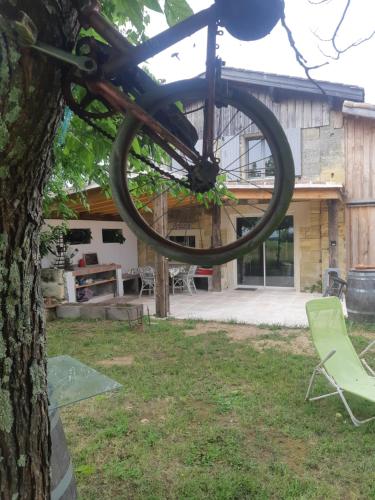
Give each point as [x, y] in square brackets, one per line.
[184, 240]
[78, 237]
[113, 236]
[260, 162]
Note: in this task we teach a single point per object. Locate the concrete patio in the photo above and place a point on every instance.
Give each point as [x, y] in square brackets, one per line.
[282, 307]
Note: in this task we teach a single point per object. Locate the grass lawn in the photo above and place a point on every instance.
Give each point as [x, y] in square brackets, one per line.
[211, 410]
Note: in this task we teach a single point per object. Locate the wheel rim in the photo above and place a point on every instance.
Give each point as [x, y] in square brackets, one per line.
[263, 132]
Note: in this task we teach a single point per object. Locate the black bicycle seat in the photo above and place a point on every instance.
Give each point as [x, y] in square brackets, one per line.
[249, 19]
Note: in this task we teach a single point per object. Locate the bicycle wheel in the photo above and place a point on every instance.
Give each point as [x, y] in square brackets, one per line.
[254, 176]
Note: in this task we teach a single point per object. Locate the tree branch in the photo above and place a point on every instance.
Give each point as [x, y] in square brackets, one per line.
[333, 39]
[299, 57]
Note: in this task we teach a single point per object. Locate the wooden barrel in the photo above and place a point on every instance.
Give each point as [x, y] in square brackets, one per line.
[360, 295]
[63, 486]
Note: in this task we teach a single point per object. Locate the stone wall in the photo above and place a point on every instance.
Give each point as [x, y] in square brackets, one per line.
[323, 151]
[314, 245]
[341, 239]
[310, 248]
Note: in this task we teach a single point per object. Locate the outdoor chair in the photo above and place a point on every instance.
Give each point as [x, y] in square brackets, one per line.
[344, 369]
[336, 286]
[185, 280]
[147, 275]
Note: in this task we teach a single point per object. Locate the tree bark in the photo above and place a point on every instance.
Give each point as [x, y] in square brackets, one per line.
[162, 306]
[216, 242]
[333, 232]
[30, 111]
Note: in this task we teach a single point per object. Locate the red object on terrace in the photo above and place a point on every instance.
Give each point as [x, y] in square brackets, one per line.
[204, 272]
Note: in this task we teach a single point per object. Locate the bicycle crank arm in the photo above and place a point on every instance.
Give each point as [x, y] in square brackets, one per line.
[28, 35]
[83, 63]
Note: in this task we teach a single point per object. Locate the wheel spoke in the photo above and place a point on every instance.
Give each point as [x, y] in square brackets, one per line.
[222, 132]
[233, 137]
[178, 204]
[188, 207]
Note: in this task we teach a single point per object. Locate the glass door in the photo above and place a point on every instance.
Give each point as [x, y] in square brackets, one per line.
[272, 263]
[250, 267]
[279, 250]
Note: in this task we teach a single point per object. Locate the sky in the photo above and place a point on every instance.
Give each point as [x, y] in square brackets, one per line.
[273, 53]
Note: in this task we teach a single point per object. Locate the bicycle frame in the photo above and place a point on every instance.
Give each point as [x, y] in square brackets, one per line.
[133, 55]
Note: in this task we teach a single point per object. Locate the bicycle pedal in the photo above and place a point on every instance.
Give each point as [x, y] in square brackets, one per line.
[25, 28]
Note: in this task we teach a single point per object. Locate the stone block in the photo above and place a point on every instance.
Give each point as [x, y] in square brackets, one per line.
[313, 233]
[310, 245]
[68, 311]
[93, 312]
[124, 312]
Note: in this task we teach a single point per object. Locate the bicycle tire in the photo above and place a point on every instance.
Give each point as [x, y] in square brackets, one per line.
[227, 94]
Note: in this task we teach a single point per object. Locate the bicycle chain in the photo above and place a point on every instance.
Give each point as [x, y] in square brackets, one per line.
[146, 160]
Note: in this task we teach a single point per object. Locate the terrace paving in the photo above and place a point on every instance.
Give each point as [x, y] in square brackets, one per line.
[275, 307]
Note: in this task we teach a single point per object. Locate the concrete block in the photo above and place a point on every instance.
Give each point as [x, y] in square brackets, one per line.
[93, 312]
[125, 312]
[68, 311]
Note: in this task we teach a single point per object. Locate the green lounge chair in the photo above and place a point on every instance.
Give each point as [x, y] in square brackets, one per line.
[344, 369]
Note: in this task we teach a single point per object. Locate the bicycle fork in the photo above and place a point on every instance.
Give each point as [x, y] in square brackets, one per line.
[213, 66]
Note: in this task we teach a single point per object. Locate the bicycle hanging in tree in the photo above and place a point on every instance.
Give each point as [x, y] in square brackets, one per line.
[173, 136]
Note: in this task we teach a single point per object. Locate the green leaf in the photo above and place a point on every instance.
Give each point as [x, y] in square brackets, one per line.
[129, 9]
[176, 11]
[84, 156]
[153, 5]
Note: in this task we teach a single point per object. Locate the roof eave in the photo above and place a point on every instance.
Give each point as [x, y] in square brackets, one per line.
[295, 84]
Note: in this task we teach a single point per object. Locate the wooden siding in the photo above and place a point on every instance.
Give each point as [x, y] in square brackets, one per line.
[360, 190]
[361, 237]
[294, 115]
[298, 113]
[291, 113]
[360, 159]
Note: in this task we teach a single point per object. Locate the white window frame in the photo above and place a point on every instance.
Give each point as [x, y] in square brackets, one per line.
[187, 232]
[254, 137]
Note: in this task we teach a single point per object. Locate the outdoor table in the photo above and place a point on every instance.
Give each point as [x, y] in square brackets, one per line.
[174, 271]
[69, 381]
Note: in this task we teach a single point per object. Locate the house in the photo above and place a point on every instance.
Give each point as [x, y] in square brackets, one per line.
[332, 136]
[110, 238]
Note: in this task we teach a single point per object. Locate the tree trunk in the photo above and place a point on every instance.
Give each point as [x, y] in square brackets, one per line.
[333, 232]
[161, 263]
[216, 242]
[30, 110]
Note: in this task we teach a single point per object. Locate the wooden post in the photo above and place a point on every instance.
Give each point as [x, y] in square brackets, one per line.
[161, 263]
[333, 233]
[216, 242]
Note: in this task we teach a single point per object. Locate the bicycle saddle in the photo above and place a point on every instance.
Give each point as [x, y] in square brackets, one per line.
[249, 19]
